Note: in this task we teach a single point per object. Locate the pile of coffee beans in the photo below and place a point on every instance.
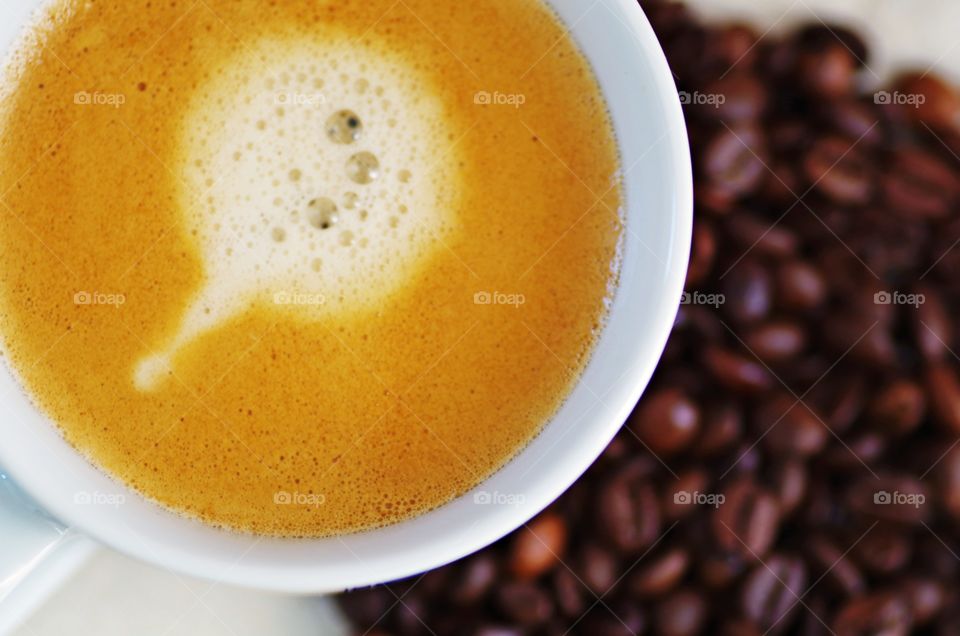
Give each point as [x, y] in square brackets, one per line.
[794, 467]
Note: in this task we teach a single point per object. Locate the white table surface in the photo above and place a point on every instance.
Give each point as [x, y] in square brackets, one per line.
[116, 596]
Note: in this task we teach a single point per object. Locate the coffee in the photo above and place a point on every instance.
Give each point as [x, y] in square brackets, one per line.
[303, 270]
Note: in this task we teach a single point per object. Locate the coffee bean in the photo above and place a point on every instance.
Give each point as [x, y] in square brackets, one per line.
[789, 484]
[747, 521]
[569, 591]
[628, 510]
[703, 252]
[829, 71]
[675, 503]
[898, 408]
[835, 566]
[943, 394]
[835, 167]
[722, 426]
[775, 342]
[597, 568]
[524, 603]
[683, 613]
[920, 184]
[881, 614]
[773, 592]
[666, 422]
[736, 371]
[748, 293]
[661, 574]
[474, 580]
[800, 286]
[891, 497]
[790, 428]
[760, 237]
[539, 546]
[932, 325]
[733, 160]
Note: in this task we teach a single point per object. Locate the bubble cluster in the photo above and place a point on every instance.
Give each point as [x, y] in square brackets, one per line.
[311, 169]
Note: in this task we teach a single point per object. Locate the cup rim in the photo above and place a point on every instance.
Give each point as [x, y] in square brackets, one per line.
[290, 571]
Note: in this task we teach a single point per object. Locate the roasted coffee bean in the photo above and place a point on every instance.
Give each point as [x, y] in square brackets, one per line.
[948, 482]
[788, 482]
[881, 614]
[925, 597]
[628, 510]
[666, 422]
[919, 184]
[744, 98]
[623, 619]
[829, 71]
[883, 550]
[748, 293]
[569, 593]
[683, 613]
[524, 603]
[773, 592]
[722, 427]
[835, 167]
[474, 579]
[789, 427]
[898, 408]
[835, 566]
[800, 287]
[747, 521]
[703, 252]
[538, 546]
[943, 394]
[761, 237]
[939, 107]
[733, 160]
[776, 342]
[662, 573]
[736, 371]
[598, 568]
[932, 325]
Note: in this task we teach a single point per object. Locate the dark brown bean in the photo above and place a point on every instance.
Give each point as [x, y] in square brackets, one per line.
[898, 408]
[747, 521]
[628, 510]
[538, 546]
[881, 614]
[943, 394]
[524, 603]
[733, 161]
[835, 167]
[737, 372]
[748, 293]
[666, 421]
[775, 342]
[800, 287]
[683, 613]
[661, 574]
[773, 592]
[789, 427]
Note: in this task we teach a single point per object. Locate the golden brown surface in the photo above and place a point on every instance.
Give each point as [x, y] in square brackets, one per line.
[384, 415]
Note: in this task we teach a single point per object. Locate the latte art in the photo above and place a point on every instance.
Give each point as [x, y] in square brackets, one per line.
[303, 268]
[288, 194]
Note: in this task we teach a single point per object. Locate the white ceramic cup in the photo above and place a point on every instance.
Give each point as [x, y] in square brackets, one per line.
[640, 92]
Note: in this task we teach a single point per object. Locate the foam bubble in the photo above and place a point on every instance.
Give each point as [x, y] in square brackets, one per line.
[280, 186]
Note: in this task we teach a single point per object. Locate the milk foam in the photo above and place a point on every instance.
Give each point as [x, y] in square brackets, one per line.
[318, 175]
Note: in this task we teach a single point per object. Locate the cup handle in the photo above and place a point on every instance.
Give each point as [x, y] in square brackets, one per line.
[37, 554]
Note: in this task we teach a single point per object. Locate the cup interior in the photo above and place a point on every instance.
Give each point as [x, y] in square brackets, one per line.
[640, 93]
